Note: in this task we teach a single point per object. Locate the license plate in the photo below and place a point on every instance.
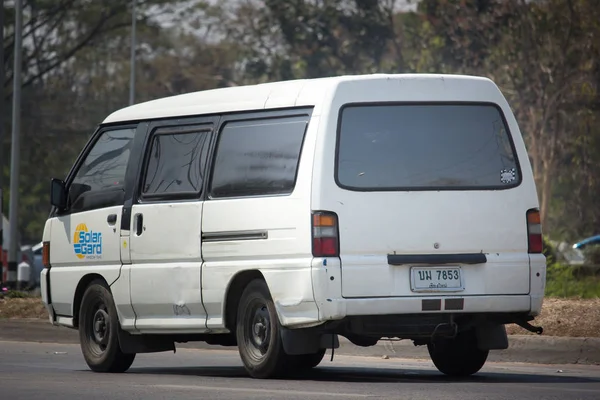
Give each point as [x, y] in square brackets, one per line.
[434, 279]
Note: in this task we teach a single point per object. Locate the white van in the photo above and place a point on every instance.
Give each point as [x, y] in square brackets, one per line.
[279, 216]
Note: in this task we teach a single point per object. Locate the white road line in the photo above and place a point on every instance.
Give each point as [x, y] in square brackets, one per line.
[563, 389]
[252, 390]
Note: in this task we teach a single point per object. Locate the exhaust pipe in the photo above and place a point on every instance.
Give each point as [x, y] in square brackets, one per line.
[527, 326]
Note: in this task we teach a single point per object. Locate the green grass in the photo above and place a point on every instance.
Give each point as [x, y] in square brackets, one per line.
[565, 281]
[16, 294]
[561, 281]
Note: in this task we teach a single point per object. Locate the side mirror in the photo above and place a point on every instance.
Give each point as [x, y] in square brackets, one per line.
[58, 194]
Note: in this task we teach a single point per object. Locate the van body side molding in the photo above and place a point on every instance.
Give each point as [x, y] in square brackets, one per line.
[234, 235]
[467, 258]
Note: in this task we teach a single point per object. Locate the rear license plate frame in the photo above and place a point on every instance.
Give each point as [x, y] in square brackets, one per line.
[435, 285]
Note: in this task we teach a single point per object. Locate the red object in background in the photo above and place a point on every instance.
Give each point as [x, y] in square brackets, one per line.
[4, 263]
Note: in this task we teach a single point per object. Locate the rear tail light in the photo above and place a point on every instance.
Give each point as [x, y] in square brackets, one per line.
[46, 255]
[325, 240]
[534, 231]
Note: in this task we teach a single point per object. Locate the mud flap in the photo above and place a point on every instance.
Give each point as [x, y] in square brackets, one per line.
[491, 336]
[307, 341]
[135, 344]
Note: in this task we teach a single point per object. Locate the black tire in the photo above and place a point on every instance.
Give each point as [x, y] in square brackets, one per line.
[98, 331]
[258, 333]
[304, 362]
[459, 357]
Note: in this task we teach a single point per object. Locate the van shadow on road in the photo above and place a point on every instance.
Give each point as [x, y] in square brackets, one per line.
[370, 375]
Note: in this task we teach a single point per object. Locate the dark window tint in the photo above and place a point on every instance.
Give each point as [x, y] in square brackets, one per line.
[426, 147]
[176, 163]
[99, 182]
[258, 157]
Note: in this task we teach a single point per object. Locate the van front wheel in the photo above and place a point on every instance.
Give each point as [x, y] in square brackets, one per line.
[459, 357]
[258, 332]
[98, 330]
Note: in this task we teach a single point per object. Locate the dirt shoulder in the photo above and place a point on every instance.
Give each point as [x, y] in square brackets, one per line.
[566, 317]
[560, 317]
[22, 308]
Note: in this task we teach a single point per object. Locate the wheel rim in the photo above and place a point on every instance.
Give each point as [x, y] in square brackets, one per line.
[258, 330]
[98, 328]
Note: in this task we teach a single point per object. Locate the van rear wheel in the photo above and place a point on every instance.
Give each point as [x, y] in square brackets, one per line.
[459, 357]
[258, 333]
[98, 331]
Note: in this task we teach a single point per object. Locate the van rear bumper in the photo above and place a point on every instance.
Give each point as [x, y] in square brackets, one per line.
[327, 275]
[340, 308]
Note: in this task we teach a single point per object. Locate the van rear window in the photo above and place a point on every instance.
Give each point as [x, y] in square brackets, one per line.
[425, 147]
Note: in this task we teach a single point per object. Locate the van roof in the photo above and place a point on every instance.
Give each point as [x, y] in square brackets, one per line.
[301, 92]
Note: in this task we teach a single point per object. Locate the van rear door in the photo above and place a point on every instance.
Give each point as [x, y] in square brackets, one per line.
[430, 198]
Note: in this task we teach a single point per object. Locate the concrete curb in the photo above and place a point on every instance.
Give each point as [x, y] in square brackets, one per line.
[522, 348]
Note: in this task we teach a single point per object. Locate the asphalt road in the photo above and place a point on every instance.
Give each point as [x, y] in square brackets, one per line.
[57, 371]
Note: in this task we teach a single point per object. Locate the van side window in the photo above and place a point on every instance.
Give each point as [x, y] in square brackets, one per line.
[176, 163]
[258, 158]
[100, 180]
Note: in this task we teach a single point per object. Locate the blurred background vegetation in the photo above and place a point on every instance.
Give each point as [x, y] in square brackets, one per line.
[544, 55]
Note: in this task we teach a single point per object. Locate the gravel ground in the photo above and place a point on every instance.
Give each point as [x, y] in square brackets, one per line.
[567, 317]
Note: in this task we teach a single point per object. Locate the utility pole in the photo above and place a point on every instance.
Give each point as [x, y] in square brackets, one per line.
[2, 112]
[15, 150]
[133, 46]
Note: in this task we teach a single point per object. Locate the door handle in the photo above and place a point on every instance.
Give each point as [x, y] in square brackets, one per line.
[111, 219]
[139, 224]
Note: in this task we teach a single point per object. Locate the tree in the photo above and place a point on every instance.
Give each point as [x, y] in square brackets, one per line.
[544, 65]
[76, 72]
[543, 54]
